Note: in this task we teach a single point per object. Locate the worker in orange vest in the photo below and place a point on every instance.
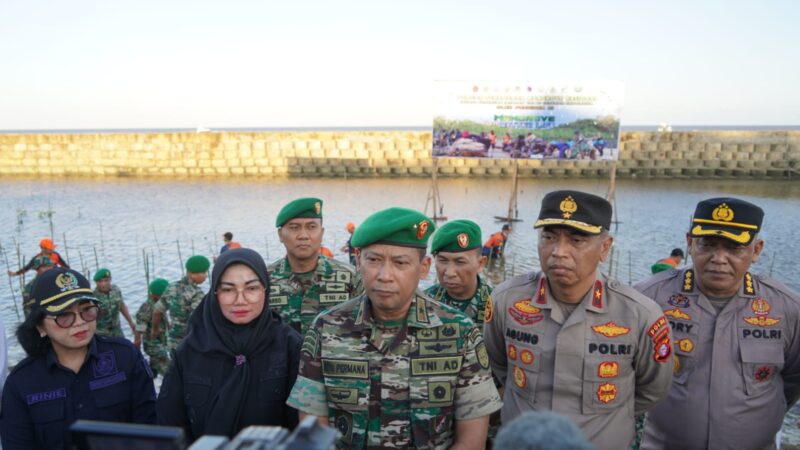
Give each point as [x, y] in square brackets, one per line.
[48, 249]
[493, 248]
[673, 261]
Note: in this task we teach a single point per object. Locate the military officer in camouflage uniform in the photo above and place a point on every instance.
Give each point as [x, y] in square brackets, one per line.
[40, 264]
[155, 345]
[180, 298]
[111, 305]
[736, 335]
[391, 368]
[456, 249]
[569, 340]
[304, 283]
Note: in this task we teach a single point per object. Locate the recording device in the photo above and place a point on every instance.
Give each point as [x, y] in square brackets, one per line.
[309, 435]
[96, 435]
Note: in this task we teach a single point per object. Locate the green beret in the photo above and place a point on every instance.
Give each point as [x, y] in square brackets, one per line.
[456, 236]
[101, 273]
[395, 226]
[308, 207]
[197, 264]
[158, 286]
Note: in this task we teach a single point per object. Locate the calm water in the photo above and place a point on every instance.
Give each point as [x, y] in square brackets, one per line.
[111, 223]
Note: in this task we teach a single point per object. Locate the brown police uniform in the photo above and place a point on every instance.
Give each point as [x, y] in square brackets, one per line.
[735, 373]
[610, 359]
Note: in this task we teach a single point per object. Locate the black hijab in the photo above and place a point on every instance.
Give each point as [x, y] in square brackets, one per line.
[212, 335]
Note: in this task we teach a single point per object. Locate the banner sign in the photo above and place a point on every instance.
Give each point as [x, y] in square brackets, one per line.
[541, 120]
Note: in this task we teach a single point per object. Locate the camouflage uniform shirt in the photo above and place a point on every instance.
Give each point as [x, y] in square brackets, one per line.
[298, 298]
[180, 298]
[108, 320]
[401, 388]
[473, 308]
[154, 348]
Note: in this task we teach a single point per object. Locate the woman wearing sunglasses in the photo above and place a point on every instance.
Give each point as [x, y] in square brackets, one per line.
[70, 373]
[239, 361]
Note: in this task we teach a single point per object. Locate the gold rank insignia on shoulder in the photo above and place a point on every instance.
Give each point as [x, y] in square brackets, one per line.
[567, 207]
[688, 281]
[722, 212]
[749, 289]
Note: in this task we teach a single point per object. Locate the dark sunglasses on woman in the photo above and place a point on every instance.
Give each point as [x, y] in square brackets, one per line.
[65, 320]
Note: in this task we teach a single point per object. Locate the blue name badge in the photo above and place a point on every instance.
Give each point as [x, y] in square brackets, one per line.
[39, 397]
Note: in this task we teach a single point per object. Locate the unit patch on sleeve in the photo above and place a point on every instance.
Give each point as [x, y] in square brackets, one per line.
[489, 310]
[663, 347]
[653, 330]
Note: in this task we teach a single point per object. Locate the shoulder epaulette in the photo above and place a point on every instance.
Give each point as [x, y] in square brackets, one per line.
[657, 278]
[516, 281]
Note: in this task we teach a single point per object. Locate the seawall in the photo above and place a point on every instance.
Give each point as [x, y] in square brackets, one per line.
[702, 154]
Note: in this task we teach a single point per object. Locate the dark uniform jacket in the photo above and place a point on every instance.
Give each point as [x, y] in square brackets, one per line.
[736, 372]
[41, 398]
[193, 380]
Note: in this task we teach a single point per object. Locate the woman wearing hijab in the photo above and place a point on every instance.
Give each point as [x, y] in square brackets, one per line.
[238, 363]
[70, 373]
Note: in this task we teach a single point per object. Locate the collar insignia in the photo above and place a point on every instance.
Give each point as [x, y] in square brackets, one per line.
[597, 296]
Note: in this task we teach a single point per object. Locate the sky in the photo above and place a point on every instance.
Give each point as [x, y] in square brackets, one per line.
[265, 63]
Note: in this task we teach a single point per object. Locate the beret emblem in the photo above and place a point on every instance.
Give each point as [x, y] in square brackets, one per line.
[422, 229]
[463, 240]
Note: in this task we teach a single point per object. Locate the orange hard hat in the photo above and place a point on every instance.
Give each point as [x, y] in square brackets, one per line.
[350, 227]
[47, 244]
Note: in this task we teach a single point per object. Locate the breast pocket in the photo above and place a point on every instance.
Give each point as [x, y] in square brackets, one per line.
[761, 364]
[608, 384]
[113, 402]
[432, 410]
[348, 403]
[48, 422]
[272, 385]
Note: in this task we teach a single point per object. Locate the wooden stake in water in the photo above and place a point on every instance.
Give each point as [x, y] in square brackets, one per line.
[180, 258]
[146, 267]
[50, 213]
[66, 248]
[84, 270]
[11, 284]
[96, 259]
[630, 269]
[772, 263]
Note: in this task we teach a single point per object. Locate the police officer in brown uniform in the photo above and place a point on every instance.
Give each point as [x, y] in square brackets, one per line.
[569, 340]
[736, 338]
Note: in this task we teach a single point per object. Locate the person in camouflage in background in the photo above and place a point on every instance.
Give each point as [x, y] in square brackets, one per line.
[111, 305]
[304, 283]
[391, 368]
[155, 345]
[180, 298]
[40, 264]
[456, 249]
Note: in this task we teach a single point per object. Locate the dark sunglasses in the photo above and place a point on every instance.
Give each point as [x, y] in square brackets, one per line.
[67, 319]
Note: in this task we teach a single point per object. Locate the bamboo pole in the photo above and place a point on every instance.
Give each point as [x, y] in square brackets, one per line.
[180, 258]
[11, 284]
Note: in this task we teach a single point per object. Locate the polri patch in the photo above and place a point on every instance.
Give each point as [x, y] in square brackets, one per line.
[520, 379]
[608, 369]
